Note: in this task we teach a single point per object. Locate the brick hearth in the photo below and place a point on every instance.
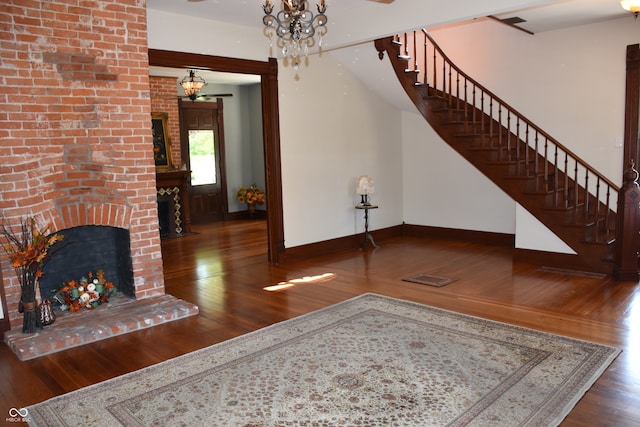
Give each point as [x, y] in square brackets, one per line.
[119, 316]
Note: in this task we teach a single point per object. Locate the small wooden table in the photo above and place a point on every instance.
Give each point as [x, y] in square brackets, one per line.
[367, 236]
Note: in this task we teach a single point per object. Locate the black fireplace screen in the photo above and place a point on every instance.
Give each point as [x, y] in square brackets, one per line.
[88, 249]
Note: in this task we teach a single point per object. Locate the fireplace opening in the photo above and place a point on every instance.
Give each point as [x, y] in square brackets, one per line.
[169, 212]
[88, 249]
[164, 216]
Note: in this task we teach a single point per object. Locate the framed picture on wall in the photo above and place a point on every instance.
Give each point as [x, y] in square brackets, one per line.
[161, 141]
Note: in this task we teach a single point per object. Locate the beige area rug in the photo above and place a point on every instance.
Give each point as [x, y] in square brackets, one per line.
[369, 361]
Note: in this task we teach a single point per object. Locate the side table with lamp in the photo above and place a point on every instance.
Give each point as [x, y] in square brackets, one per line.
[364, 188]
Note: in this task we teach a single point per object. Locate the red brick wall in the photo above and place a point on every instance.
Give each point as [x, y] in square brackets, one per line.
[164, 99]
[75, 126]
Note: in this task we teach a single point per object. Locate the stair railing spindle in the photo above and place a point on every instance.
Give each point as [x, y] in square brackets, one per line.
[435, 70]
[556, 177]
[587, 202]
[449, 91]
[444, 78]
[546, 164]
[565, 185]
[475, 106]
[457, 95]
[509, 153]
[426, 62]
[406, 44]
[466, 104]
[596, 214]
[536, 162]
[482, 126]
[607, 219]
[518, 153]
[415, 51]
[527, 169]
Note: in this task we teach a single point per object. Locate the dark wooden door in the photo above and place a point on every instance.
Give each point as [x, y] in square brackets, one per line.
[202, 151]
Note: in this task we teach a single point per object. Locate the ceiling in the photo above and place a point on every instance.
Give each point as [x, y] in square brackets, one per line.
[346, 17]
[353, 22]
[565, 13]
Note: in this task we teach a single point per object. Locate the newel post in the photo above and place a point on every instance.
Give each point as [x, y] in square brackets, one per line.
[627, 245]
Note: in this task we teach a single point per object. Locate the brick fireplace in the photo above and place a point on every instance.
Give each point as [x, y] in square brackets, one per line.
[75, 136]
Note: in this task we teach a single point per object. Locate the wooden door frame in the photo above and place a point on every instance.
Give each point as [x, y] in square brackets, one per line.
[221, 170]
[268, 72]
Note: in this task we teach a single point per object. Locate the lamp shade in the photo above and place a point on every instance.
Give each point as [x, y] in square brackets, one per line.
[365, 185]
[630, 5]
[192, 83]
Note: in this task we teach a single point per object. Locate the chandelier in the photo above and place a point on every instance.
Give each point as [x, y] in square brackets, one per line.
[631, 6]
[192, 84]
[296, 27]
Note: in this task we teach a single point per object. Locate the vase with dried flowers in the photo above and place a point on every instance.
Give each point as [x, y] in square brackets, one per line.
[28, 250]
[252, 196]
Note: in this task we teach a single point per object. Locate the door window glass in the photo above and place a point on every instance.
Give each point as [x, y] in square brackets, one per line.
[202, 157]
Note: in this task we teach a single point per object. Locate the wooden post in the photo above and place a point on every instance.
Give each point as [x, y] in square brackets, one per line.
[632, 105]
[627, 244]
[628, 228]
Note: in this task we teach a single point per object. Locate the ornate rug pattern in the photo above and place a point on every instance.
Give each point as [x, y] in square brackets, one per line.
[369, 361]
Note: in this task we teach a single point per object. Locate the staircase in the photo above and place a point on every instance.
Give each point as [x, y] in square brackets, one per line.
[563, 192]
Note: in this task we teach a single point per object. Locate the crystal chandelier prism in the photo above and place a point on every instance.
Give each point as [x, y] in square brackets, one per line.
[296, 27]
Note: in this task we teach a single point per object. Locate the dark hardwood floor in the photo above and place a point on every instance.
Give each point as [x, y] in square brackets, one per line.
[224, 270]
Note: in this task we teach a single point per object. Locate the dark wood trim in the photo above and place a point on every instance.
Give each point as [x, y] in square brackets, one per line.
[273, 171]
[244, 215]
[355, 241]
[565, 262]
[268, 71]
[174, 59]
[222, 154]
[627, 243]
[4, 322]
[331, 246]
[483, 237]
[559, 261]
[632, 107]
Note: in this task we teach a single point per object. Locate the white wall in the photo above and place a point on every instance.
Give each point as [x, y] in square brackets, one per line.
[333, 129]
[182, 33]
[442, 189]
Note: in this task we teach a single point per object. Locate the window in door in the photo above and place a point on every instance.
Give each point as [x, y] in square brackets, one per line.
[203, 157]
